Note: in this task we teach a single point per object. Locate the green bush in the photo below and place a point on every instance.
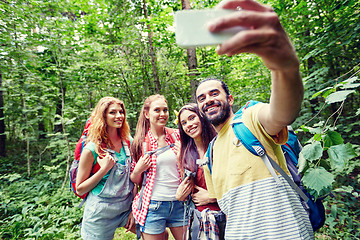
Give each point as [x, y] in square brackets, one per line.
[37, 208]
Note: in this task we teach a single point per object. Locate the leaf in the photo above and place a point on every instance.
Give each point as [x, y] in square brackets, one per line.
[301, 162]
[311, 129]
[350, 80]
[318, 179]
[338, 96]
[319, 92]
[358, 112]
[347, 189]
[317, 137]
[353, 85]
[340, 155]
[11, 177]
[312, 151]
[332, 138]
[313, 53]
[334, 210]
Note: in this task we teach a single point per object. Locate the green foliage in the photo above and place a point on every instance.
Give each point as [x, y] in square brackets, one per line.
[60, 57]
[331, 166]
[37, 208]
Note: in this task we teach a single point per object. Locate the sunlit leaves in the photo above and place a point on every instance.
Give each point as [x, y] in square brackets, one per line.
[301, 162]
[338, 96]
[312, 151]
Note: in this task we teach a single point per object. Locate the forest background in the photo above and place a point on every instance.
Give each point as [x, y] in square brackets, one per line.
[58, 58]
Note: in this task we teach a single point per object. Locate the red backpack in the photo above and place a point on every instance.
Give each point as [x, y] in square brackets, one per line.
[75, 164]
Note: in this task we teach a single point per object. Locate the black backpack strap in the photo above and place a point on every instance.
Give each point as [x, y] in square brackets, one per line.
[83, 201]
[138, 233]
[288, 179]
[142, 190]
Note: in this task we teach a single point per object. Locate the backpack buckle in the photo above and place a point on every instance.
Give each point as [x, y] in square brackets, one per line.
[237, 142]
[202, 162]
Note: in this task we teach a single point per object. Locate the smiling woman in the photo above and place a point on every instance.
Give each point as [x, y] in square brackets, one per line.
[115, 116]
[108, 205]
[156, 207]
[196, 132]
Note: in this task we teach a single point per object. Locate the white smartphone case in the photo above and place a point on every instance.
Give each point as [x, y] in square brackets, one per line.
[191, 28]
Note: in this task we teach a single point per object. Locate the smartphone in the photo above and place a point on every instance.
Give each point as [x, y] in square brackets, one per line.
[191, 27]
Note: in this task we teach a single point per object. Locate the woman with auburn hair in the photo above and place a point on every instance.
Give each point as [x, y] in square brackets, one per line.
[154, 150]
[108, 204]
[196, 132]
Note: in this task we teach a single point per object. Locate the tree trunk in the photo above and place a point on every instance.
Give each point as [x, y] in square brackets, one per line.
[152, 53]
[63, 91]
[59, 110]
[41, 125]
[192, 59]
[193, 73]
[2, 123]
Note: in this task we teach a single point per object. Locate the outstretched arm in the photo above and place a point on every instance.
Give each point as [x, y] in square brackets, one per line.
[266, 38]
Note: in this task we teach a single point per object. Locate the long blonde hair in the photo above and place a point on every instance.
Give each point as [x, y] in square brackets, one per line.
[143, 126]
[98, 128]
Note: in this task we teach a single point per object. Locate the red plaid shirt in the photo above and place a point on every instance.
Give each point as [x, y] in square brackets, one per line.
[140, 215]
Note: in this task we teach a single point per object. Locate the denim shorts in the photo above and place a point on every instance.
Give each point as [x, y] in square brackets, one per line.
[162, 214]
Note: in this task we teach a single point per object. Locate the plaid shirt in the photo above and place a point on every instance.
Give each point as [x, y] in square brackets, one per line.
[208, 227]
[140, 215]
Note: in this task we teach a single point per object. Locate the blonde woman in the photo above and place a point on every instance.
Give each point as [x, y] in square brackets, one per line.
[156, 207]
[108, 204]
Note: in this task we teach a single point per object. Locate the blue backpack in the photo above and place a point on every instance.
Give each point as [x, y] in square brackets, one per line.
[291, 149]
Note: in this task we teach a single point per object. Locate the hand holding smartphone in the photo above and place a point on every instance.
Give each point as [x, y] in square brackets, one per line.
[191, 27]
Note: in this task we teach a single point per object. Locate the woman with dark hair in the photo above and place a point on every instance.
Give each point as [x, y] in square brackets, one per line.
[196, 132]
[108, 204]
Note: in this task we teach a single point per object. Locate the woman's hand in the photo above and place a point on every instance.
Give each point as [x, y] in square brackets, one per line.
[130, 224]
[184, 189]
[141, 166]
[85, 182]
[106, 162]
[201, 197]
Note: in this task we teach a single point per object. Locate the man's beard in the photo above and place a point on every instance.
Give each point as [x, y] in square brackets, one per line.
[222, 116]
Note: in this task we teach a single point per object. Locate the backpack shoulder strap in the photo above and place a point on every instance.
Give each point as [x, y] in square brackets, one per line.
[292, 147]
[126, 144]
[171, 132]
[146, 148]
[288, 179]
[252, 144]
[146, 144]
[209, 155]
[243, 134]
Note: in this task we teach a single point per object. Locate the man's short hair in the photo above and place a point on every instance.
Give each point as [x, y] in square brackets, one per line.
[223, 85]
